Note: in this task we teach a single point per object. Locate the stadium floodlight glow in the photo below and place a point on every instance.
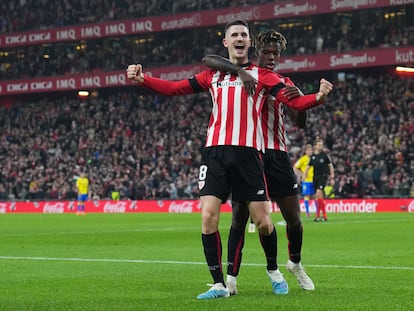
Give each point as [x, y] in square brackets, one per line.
[83, 93]
[404, 69]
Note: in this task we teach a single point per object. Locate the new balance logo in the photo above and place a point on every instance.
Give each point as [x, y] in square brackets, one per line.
[295, 186]
[260, 192]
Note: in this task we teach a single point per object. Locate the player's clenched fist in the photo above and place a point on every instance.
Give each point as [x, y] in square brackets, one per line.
[325, 87]
[134, 73]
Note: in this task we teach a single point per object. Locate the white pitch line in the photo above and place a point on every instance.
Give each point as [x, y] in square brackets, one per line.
[191, 262]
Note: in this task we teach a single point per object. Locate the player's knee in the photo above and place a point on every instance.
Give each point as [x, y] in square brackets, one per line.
[294, 224]
[237, 224]
[209, 226]
[264, 226]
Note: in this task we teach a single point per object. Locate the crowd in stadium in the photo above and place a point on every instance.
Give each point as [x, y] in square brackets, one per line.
[367, 125]
[312, 35]
[20, 15]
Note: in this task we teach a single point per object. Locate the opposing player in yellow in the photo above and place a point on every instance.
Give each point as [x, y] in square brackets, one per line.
[307, 184]
[82, 186]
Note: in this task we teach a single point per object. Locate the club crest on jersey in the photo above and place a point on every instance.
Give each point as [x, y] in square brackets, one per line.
[201, 184]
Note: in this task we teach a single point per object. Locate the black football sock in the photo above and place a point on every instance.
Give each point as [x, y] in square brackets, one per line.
[269, 244]
[234, 251]
[295, 235]
[212, 251]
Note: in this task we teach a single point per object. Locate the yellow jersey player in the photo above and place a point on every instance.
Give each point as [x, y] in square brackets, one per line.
[82, 186]
[307, 181]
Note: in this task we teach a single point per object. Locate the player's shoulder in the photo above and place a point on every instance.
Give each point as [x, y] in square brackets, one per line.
[287, 81]
[266, 71]
[269, 75]
[206, 72]
[203, 78]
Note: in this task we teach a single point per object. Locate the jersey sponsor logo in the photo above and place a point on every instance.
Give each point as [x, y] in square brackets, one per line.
[235, 83]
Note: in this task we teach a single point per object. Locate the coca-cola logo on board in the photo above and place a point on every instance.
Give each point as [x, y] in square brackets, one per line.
[181, 207]
[117, 207]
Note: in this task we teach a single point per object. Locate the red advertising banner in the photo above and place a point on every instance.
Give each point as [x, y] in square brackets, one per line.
[191, 19]
[95, 80]
[192, 206]
[303, 63]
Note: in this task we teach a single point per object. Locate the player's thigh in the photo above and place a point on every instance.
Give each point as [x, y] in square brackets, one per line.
[319, 183]
[280, 177]
[213, 176]
[246, 172]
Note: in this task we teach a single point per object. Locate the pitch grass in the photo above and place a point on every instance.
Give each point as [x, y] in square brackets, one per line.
[156, 262]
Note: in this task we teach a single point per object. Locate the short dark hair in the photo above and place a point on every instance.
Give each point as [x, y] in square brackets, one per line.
[241, 22]
[318, 140]
[268, 37]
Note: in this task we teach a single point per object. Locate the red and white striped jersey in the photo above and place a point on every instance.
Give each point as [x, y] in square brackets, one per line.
[236, 117]
[273, 122]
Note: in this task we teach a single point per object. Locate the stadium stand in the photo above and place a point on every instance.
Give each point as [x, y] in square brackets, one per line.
[19, 15]
[119, 133]
[309, 36]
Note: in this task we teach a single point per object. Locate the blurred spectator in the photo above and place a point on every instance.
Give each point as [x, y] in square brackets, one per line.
[19, 15]
[147, 147]
[121, 136]
[309, 35]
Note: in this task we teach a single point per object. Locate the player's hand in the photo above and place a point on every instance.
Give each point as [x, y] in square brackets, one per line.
[325, 88]
[290, 92]
[249, 82]
[134, 73]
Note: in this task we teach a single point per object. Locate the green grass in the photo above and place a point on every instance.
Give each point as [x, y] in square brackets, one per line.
[156, 262]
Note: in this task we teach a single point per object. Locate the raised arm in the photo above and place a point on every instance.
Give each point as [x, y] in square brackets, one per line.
[220, 63]
[303, 102]
[160, 86]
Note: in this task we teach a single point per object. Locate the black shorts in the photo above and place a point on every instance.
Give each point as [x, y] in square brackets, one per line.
[319, 182]
[281, 179]
[234, 170]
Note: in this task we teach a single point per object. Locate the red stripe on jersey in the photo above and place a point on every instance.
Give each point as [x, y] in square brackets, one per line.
[243, 123]
[217, 115]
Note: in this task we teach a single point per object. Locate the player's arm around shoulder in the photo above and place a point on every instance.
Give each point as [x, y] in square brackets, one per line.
[220, 63]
